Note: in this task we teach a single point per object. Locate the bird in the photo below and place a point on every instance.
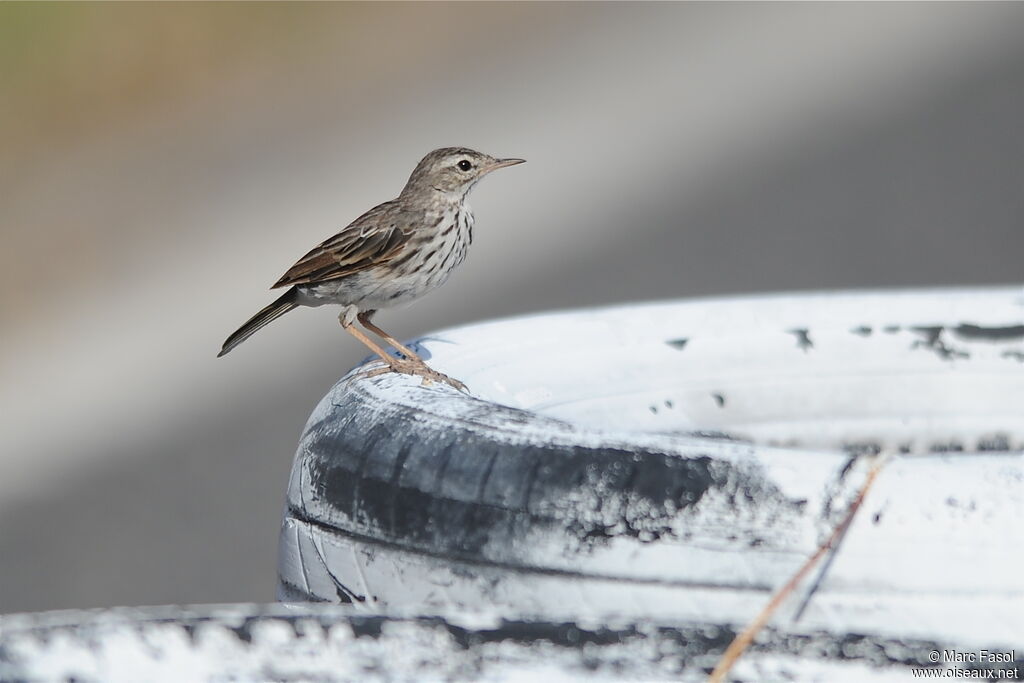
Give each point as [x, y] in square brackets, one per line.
[392, 254]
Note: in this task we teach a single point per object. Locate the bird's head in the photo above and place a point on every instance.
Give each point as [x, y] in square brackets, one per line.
[452, 171]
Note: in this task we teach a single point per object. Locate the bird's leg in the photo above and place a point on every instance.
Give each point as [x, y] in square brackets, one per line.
[405, 366]
[370, 344]
[365, 319]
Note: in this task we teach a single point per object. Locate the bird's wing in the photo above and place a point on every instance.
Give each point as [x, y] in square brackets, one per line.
[374, 238]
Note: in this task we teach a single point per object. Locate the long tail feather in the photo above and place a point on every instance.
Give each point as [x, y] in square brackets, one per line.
[255, 323]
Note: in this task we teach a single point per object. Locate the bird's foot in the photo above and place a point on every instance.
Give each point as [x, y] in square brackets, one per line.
[407, 366]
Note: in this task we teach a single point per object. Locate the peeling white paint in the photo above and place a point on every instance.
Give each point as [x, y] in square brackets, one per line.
[930, 376]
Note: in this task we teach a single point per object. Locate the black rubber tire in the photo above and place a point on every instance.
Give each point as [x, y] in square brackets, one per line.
[465, 488]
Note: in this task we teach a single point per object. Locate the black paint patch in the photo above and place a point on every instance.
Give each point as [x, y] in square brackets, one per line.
[639, 502]
[369, 627]
[863, 448]
[1014, 355]
[932, 340]
[678, 344]
[719, 399]
[863, 331]
[996, 442]
[891, 329]
[968, 331]
[566, 634]
[803, 338]
[932, 334]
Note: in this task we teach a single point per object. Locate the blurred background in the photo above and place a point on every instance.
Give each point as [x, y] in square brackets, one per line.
[162, 164]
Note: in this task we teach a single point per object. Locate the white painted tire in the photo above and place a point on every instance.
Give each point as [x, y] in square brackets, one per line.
[328, 643]
[678, 461]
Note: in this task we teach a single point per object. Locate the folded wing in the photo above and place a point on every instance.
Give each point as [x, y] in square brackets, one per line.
[374, 238]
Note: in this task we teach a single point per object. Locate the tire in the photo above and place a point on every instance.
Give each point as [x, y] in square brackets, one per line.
[678, 462]
[331, 643]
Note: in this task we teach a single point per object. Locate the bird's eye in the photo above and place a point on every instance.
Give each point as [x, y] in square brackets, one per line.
[464, 165]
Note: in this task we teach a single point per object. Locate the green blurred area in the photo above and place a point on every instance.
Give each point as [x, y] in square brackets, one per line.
[72, 70]
[67, 67]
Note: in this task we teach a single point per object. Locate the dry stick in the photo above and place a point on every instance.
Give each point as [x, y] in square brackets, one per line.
[827, 564]
[744, 639]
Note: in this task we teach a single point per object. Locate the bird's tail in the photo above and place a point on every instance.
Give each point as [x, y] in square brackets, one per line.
[272, 312]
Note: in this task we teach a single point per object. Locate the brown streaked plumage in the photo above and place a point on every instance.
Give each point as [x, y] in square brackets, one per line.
[372, 239]
[392, 254]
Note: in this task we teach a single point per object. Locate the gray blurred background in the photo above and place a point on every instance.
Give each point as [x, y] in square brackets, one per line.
[162, 165]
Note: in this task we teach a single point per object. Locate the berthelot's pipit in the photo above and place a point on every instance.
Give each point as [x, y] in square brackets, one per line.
[394, 253]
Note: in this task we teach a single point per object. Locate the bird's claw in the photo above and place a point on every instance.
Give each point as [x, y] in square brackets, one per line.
[407, 366]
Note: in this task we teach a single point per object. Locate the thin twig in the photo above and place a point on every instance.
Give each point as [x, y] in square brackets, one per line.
[827, 564]
[821, 575]
[742, 641]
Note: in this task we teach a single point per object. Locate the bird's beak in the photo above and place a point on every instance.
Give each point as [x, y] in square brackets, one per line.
[502, 163]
